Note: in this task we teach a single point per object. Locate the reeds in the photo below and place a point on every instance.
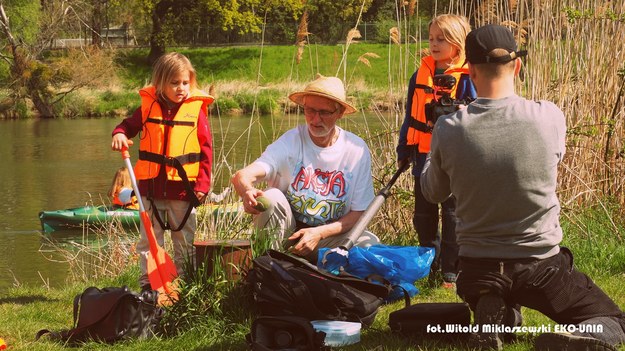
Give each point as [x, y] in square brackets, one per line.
[101, 252]
[302, 36]
[575, 57]
[575, 60]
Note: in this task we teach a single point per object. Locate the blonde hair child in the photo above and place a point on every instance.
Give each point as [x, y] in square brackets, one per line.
[121, 180]
[454, 29]
[169, 66]
[173, 122]
[447, 35]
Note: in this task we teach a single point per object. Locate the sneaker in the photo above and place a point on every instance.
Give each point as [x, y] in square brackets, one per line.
[448, 285]
[490, 311]
[450, 277]
[449, 280]
[570, 342]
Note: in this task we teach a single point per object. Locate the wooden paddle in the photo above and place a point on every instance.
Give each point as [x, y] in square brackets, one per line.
[161, 269]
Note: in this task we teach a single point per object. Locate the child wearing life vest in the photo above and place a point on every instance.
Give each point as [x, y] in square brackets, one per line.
[447, 35]
[175, 155]
[121, 184]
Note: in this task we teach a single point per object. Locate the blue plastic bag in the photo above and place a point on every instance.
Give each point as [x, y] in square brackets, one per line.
[400, 265]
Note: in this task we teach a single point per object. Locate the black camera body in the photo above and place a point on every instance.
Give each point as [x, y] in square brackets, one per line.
[443, 103]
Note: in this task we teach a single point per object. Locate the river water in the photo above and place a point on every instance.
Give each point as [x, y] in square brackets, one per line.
[54, 164]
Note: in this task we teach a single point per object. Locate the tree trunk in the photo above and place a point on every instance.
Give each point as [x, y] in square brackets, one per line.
[44, 108]
[96, 24]
[157, 42]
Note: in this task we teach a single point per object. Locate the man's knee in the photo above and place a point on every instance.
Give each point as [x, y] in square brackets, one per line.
[275, 196]
[367, 239]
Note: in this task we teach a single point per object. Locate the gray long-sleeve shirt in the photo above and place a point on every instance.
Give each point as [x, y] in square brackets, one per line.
[499, 158]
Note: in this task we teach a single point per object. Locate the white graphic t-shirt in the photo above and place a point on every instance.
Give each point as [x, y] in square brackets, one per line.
[321, 184]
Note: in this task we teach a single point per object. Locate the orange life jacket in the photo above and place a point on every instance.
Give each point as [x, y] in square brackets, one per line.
[182, 151]
[418, 133]
[117, 201]
[133, 205]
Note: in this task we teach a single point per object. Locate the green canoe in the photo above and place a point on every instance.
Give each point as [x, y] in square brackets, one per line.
[77, 218]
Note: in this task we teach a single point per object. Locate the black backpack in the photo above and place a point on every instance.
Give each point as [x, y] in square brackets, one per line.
[110, 314]
[284, 333]
[284, 284]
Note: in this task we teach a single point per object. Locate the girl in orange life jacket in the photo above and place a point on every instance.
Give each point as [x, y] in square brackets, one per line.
[175, 155]
[447, 35]
[121, 180]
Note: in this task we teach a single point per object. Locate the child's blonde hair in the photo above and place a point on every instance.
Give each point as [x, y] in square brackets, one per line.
[120, 180]
[169, 65]
[455, 29]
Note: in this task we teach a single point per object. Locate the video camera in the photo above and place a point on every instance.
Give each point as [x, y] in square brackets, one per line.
[443, 103]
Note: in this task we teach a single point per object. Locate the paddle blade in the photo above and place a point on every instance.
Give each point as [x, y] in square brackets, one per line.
[162, 262]
[164, 265]
[162, 278]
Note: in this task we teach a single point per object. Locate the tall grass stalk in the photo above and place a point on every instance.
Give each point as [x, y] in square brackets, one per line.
[102, 251]
[574, 60]
[568, 42]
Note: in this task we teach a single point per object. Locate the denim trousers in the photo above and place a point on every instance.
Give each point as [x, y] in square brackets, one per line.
[551, 286]
[426, 220]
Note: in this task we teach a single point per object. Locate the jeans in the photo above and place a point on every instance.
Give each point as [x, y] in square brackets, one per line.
[551, 286]
[425, 221]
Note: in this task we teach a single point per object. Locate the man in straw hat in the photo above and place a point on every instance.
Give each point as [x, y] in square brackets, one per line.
[499, 158]
[319, 176]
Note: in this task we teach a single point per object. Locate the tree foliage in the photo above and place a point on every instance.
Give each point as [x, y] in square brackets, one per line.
[34, 79]
[38, 81]
[187, 21]
[330, 20]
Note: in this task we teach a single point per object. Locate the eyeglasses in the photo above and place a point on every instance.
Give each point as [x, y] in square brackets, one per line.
[309, 111]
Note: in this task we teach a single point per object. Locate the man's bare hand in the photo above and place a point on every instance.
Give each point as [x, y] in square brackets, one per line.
[249, 200]
[308, 241]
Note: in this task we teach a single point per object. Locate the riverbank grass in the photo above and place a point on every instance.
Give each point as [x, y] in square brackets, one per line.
[248, 79]
[217, 313]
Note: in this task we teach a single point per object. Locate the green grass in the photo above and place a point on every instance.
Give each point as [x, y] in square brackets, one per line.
[262, 76]
[251, 78]
[216, 314]
[277, 63]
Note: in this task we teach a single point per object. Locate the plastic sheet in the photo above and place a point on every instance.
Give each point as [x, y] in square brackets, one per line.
[400, 265]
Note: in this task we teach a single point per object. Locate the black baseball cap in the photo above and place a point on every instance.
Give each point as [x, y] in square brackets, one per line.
[484, 39]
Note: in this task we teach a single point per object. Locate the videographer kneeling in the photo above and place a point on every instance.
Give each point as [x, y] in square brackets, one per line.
[499, 158]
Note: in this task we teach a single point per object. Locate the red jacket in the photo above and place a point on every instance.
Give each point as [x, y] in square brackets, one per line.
[160, 187]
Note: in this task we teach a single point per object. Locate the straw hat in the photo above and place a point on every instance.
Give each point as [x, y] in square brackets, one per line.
[327, 87]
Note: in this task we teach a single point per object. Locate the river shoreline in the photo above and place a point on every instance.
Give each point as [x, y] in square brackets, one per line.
[242, 101]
